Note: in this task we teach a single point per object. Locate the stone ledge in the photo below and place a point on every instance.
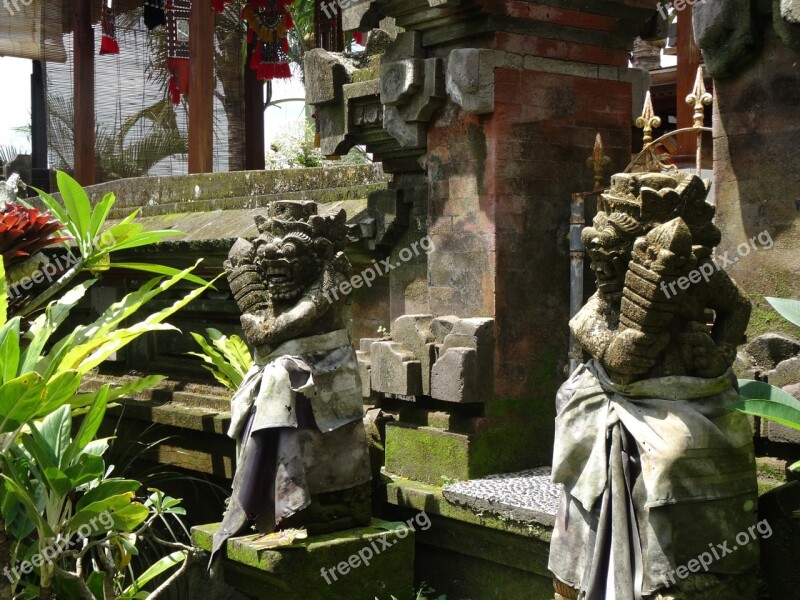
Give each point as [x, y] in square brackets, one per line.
[418, 496]
[470, 75]
[493, 557]
[528, 496]
[325, 197]
[242, 186]
[193, 418]
[222, 225]
[294, 572]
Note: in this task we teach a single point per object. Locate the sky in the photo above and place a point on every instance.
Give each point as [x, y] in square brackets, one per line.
[15, 101]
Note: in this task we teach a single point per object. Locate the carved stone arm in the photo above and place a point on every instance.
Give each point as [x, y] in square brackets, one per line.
[263, 327]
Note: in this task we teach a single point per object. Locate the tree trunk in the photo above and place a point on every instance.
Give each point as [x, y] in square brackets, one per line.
[229, 71]
[234, 112]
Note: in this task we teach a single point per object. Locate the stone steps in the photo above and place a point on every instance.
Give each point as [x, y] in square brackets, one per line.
[192, 419]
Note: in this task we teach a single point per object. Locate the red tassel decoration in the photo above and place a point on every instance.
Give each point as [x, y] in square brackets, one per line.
[108, 41]
[219, 5]
[178, 78]
[267, 22]
[177, 17]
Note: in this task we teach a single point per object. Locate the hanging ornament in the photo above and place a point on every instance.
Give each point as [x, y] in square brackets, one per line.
[177, 13]
[108, 42]
[267, 24]
[219, 5]
[154, 14]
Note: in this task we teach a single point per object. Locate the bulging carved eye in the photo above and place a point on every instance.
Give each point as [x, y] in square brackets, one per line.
[267, 250]
[289, 249]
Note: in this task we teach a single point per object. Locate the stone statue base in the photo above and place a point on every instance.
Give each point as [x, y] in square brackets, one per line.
[335, 511]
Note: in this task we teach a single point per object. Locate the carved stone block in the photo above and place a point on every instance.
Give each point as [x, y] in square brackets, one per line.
[412, 88]
[470, 79]
[724, 31]
[364, 371]
[325, 76]
[395, 370]
[414, 332]
[442, 326]
[462, 376]
[454, 377]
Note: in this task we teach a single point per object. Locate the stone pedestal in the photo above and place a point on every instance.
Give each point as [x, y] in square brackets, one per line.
[485, 541]
[370, 562]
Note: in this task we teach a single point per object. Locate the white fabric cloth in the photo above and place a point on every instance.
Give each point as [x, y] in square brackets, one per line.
[661, 464]
[333, 388]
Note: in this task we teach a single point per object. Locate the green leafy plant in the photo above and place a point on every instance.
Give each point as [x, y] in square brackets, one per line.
[94, 241]
[45, 471]
[228, 358]
[52, 481]
[764, 400]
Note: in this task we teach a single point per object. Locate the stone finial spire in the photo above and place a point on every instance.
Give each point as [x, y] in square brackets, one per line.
[699, 99]
[598, 162]
[647, 122]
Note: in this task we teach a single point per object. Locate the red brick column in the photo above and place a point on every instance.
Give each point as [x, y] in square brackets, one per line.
[504, 157]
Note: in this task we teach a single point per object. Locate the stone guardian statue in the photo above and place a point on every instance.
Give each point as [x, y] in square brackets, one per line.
[658, 474]
[297, 418]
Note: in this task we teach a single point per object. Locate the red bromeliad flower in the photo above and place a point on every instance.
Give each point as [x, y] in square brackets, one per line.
[25, 231]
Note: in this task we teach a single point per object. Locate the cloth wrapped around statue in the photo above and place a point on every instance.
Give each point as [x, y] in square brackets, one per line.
[656, 473]
[297, 410]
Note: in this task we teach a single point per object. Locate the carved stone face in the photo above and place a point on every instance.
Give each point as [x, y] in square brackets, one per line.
[288, 263]
[609, 248]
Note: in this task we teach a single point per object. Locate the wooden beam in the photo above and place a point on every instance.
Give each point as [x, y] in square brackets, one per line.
[201, 88]
[39, 173]
[83, 92]
[688, 61]
[253, 120]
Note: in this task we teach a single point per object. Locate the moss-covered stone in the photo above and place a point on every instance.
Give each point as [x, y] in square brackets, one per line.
[764, 318]
[419, 496]
[295, 572]
[366, 74]
[435, 456]
[771, 473]
[427, 454]
[241, 189]
[460, 576]
[469, 555]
